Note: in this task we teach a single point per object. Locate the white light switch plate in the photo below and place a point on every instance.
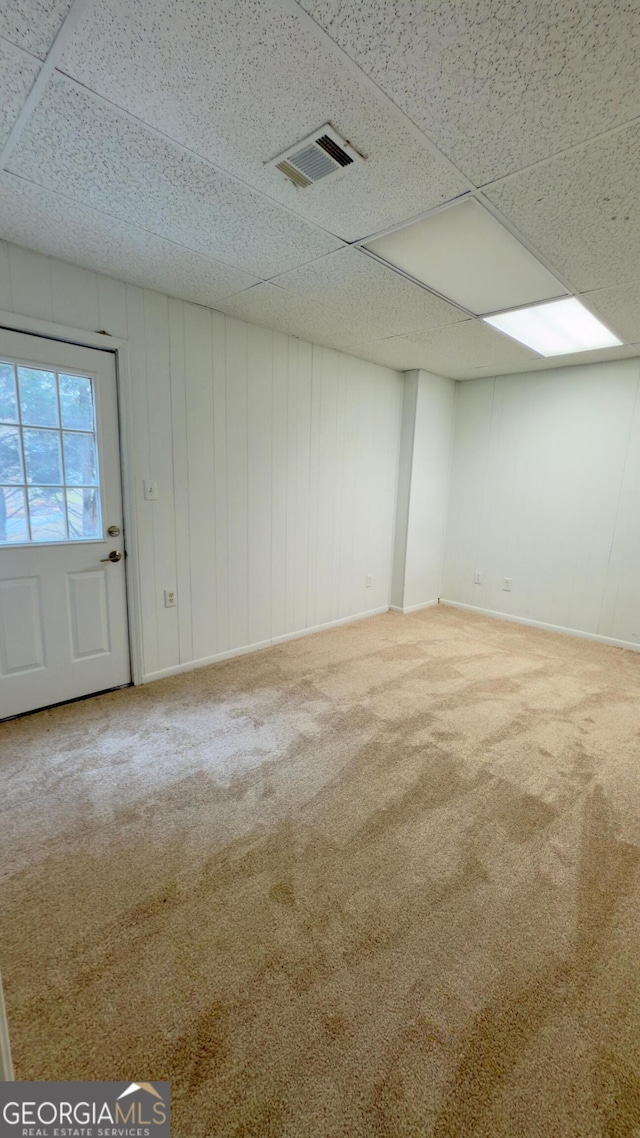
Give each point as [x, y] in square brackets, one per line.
[150, 490]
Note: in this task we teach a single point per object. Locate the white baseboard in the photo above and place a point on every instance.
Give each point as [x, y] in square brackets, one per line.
[203, 661]
[582, 635]
[330, 624]
[413, 608]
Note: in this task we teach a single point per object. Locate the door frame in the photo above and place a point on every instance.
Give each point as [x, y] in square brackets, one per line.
[119, 348]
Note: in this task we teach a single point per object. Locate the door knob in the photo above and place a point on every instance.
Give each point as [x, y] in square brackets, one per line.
[115, 555]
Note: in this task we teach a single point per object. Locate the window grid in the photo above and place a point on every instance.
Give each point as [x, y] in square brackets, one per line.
[60, 430]
[62, 459]
[23, 456]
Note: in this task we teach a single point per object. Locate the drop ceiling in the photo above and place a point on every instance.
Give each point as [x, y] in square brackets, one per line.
[136, 140]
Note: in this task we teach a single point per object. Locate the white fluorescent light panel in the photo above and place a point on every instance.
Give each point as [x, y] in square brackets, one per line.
[555, 329]
[463, 253]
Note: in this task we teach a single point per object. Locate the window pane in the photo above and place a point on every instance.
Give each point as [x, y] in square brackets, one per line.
[10, 456]
[83, 510]
[42, 456]
[38, 398]
[80, 460]
[46, 511]
[8, 401]
[76, 402]
[13, 517]
[45, 417]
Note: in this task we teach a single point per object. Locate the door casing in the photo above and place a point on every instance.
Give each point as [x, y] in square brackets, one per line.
[35, 327]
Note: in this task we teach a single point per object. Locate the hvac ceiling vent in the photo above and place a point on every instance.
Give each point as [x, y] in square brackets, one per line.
[320, 155]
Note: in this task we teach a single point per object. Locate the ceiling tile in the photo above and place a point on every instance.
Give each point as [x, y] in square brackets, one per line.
[457, 351]
[286, 312]
[240, 83]
[403, 354]
[497, 86]
[582, 209]
[394, 352]
[79, 145]
[353, 283]
[453, 350]
[619, 308]
[33, 24]
[51, 224]
[623, 352]
[17, 76]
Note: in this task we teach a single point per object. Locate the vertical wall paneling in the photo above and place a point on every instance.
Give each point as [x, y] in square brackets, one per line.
[112, 307]
[346, 580]
[429, 497]
[329, 491]
[470, 451]
[405, 465]
[361, 520]
[340, 549]
[259, 459]
[6, 299]
[620, 611]
[301, 501]
[237, 482]
[275, 462]
[220, 566]
[181, 480]
[291, 412]
[31, 290]
[201, 500]
[314, 485]
[143, 468]
[279, 435]
[388, 430]
[156, 322]
[545, 490]
[74, 297]
[423, 489]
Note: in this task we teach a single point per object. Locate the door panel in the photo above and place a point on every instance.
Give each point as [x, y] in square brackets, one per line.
[88, 612]
[22, 644]
[63, 611]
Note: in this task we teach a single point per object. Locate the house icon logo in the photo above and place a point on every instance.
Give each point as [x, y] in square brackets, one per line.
[142, 1105]
[133, 1087]
[91, 1109]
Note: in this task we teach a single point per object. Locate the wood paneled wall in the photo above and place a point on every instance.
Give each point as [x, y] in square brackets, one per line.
[545, 490]
[276, 462]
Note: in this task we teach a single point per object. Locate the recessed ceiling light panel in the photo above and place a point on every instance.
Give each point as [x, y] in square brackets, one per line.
[463, 253]
[555, 329]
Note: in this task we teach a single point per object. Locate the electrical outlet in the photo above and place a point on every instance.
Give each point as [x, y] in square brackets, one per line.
[477, 578]
[150, 490]
[170, 598]
[507, 584]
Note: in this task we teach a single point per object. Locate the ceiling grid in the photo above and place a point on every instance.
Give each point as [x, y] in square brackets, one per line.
[138, 141]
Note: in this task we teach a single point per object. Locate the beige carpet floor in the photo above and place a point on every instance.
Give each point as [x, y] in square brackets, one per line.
[380, 881]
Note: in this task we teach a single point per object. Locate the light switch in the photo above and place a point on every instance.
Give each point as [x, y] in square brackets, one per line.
[150, 490]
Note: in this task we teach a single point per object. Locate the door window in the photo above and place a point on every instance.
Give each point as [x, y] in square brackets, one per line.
[49, 472]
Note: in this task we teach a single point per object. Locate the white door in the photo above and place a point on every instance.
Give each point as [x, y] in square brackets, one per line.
[63, 606]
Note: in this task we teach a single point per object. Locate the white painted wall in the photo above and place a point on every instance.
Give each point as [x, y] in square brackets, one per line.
[423, 489]
[545, 489]
[276, 463]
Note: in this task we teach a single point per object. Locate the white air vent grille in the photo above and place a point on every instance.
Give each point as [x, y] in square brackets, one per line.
[319, 156]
